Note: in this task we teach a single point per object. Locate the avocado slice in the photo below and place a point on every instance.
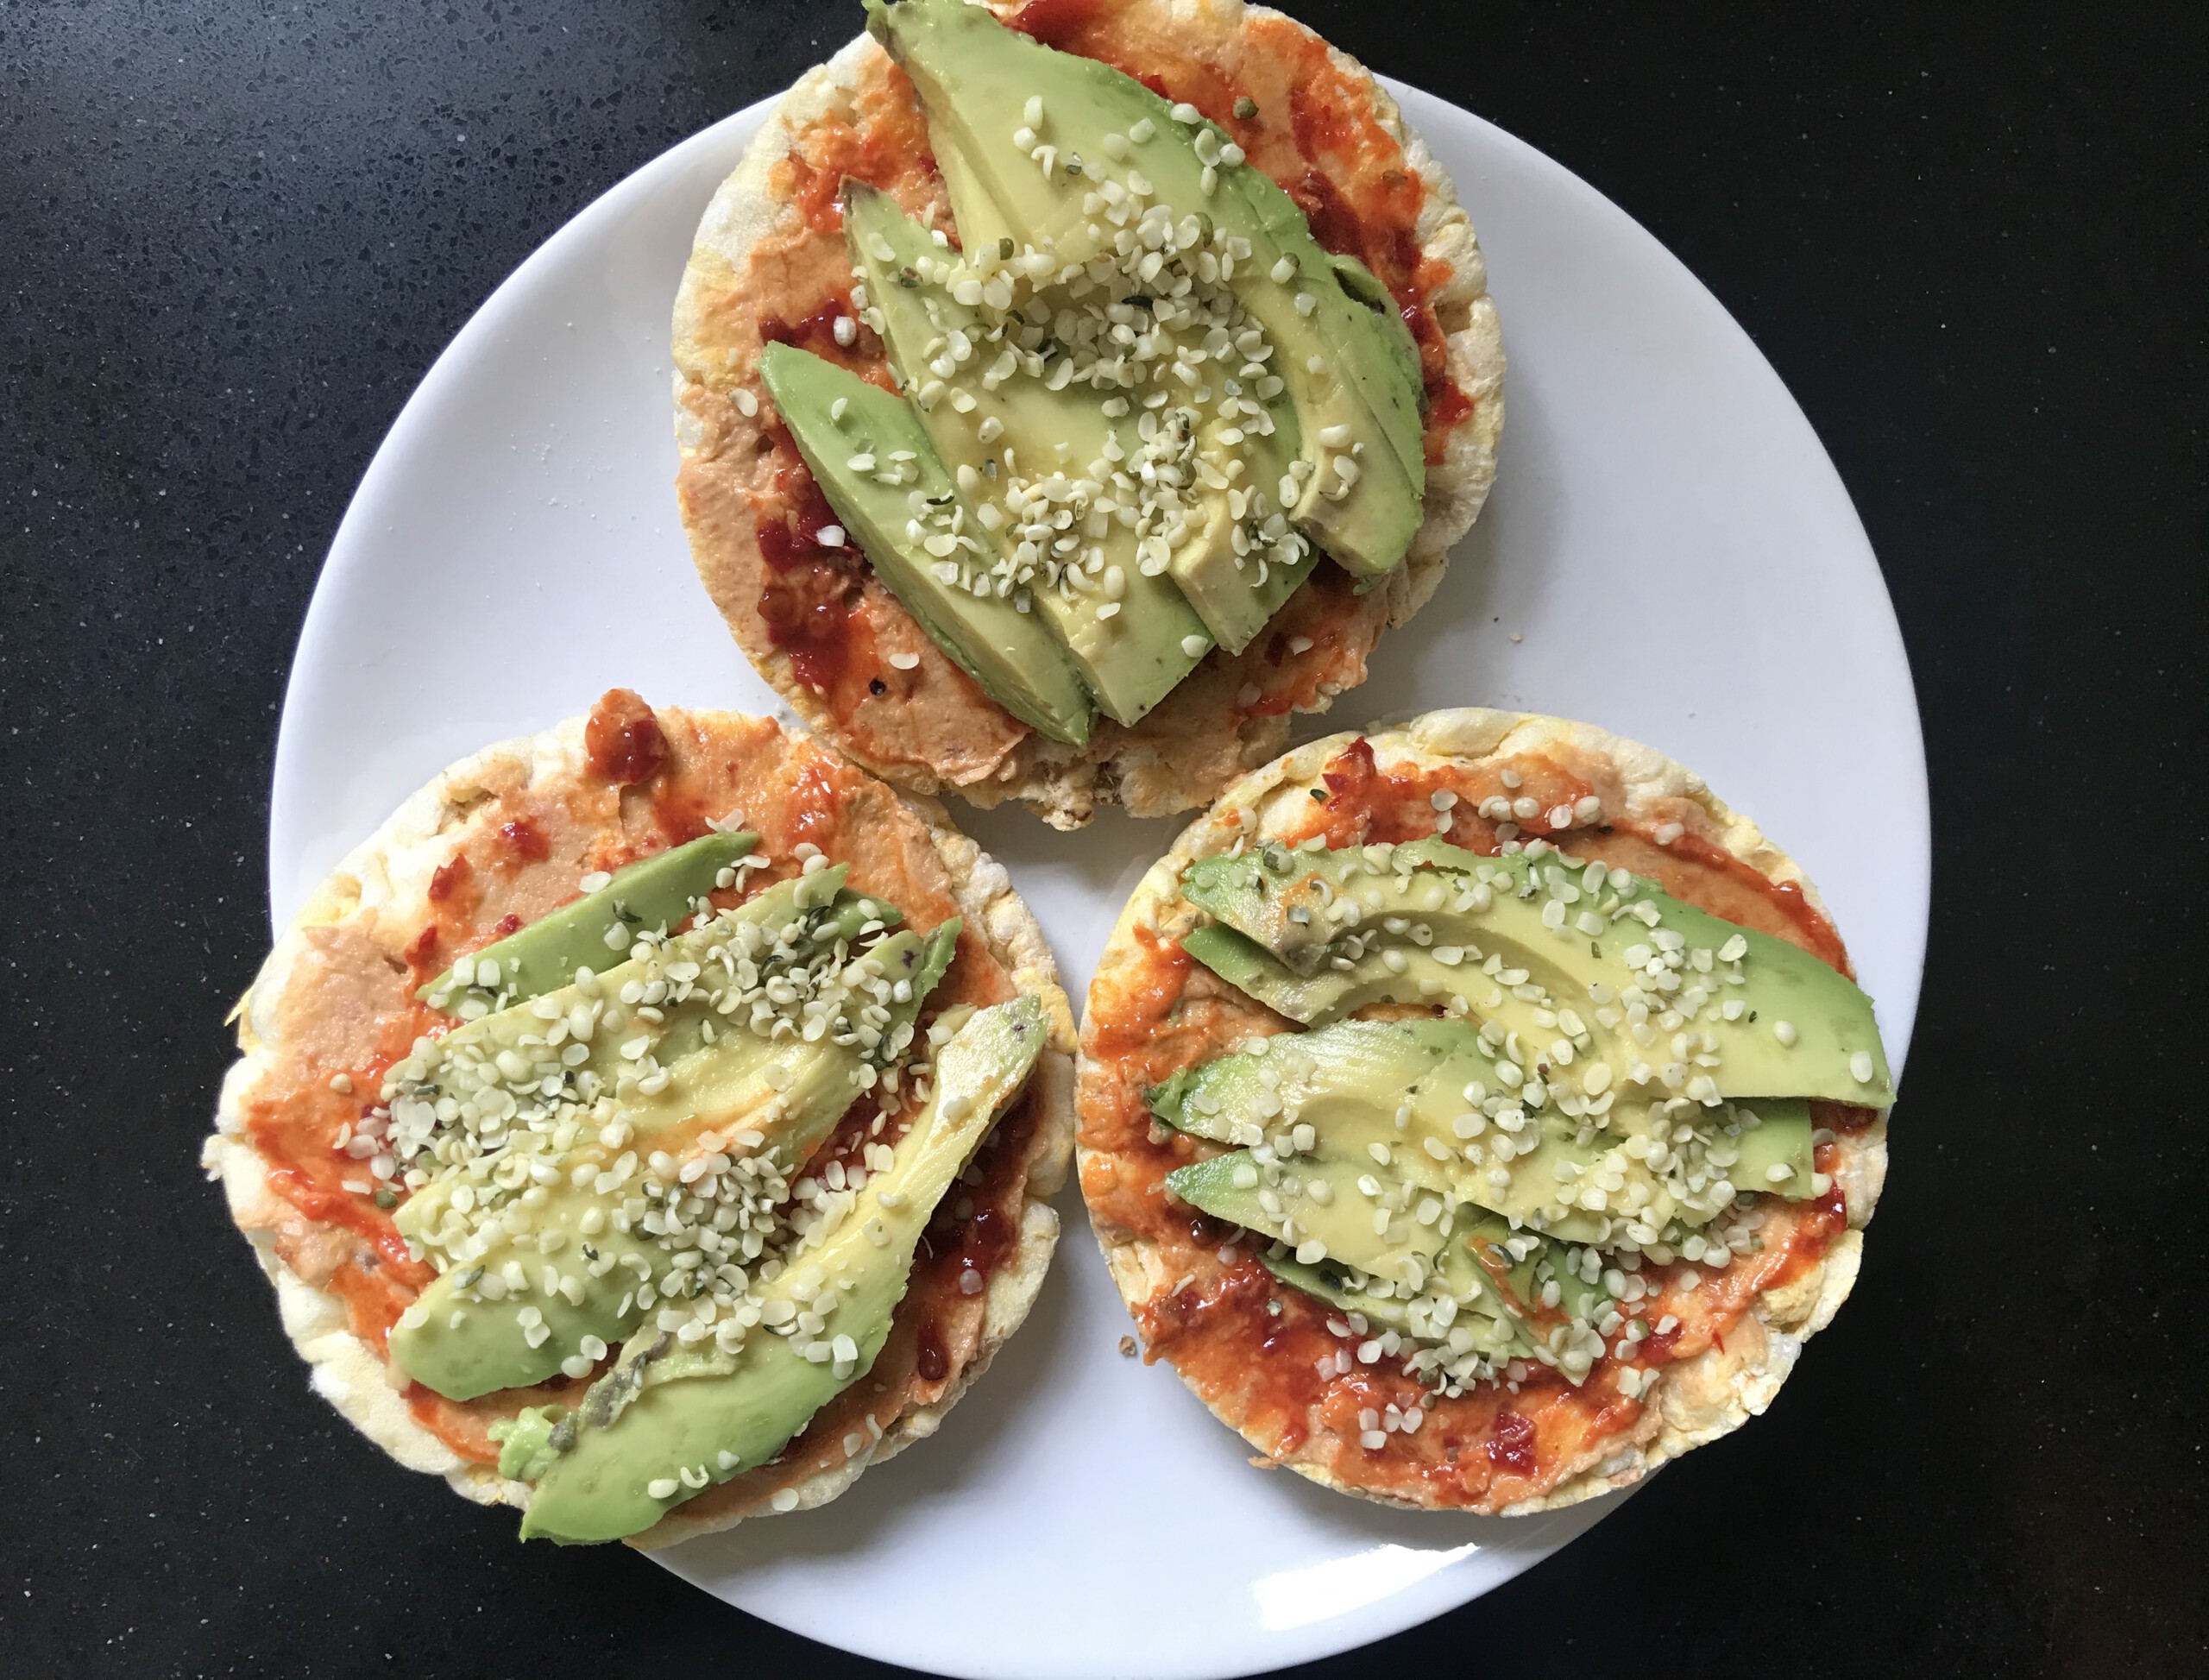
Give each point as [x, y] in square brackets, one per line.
[1360, 283]
[1504, 1285]
[1341, 1218]
[507, 1310]
[1780, 1138]
[1485, 1326]
[1222, 586]
[462, 1342]
[837, 419]
[1429, 923]
[1311, 999]
[1238, 566]
[1131, 634]
[1356, 312]
[489, 1321]
[786, 923]
[1416, 1105]
[1525, 1265]
[673, 1419]
[1360, 471]
[1386, 973]
[1503, 1306]
[1364, 1216]
[1350, 1081]
[1235, 589]
[657, 892]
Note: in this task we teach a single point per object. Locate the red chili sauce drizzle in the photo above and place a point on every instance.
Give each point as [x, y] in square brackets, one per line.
[893, 142]
[522, 841]
[624, 740]
[449, 879]
[810, 592]
[979, 1240]
[815, 332]
[1510, 1443]
[1252, 1345]
[1314, 612]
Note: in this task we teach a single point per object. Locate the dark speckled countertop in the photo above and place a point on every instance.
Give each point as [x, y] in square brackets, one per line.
[1971, 238]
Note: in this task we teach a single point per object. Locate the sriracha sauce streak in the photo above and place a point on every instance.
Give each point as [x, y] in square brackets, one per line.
[810, 591]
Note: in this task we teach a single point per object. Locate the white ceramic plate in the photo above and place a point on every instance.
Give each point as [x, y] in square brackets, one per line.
[1666, 536]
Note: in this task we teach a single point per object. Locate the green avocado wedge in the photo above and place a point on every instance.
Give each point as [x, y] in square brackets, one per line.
[1318, 1200]
[510, 1310]
[461, 1340]
[840, 420]
[1527, 1270]
[1132, 648]
[1488, 1328]
[673, 1419]
[1361, 469]
[658, 892]
[1774, 1151]
[1524, 942]
[1418, 1103]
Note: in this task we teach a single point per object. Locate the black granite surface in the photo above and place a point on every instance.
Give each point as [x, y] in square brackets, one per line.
[1971, 238]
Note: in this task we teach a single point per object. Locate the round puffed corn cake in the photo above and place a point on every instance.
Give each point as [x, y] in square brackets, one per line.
[1204, 1308]
[770, 262]
[498, 840]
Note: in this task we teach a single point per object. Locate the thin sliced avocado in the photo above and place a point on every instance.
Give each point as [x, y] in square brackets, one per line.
[671, 1419]
[1311, 999]
[813, 911]
[1781, 1138]
[837, 418]
[1234, 1187]
[790, 1094]
[1236, 593]
[1349, 1082]
[471, 1330]
[1276, 895]
[1342, 361]
[1131, 636]
[1830, 1047]
[1362, 285]
[657, 892]
[1377, 352]
[1400, 972]
[1797, 1028]
[1490, 1329]
[1224, 572]
[1526, 1273]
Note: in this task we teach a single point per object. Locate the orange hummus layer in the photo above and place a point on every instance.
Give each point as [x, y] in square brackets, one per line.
[1311, 126]
[1252, 1347]
[653, 781]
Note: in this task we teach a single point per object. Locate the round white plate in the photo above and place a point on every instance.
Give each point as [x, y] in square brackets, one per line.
[1668, 553]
